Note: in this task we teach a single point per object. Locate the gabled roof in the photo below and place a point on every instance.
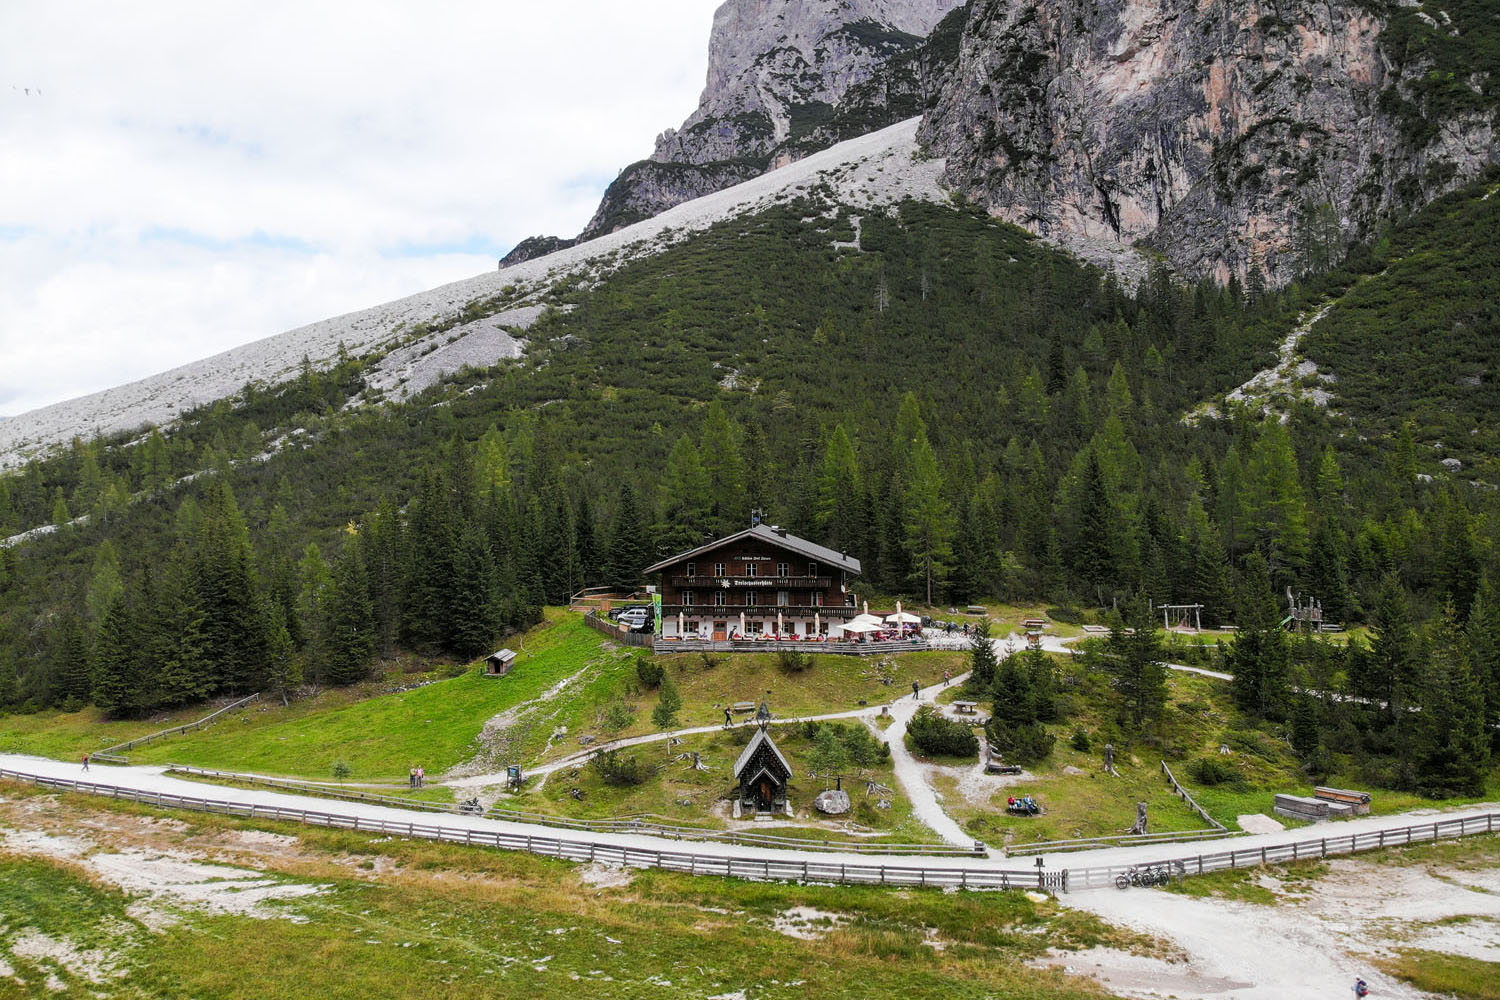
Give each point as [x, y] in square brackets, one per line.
[766, 533]
[502, 654]
[761, 736]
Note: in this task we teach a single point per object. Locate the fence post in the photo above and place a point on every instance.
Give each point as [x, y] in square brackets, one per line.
[1325, 847]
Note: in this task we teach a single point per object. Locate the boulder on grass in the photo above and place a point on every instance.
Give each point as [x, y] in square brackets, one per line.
[834, 802]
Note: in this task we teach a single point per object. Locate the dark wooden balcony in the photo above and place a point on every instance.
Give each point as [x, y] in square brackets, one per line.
[742, 582]
[829, 613]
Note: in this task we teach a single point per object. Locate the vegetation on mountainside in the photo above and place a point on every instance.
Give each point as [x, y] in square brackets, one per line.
[964, 409]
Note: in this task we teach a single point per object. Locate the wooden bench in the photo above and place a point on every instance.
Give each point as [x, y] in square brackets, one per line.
[1302, 807]
[1036, 623]
[742, 706]
[1358, 802]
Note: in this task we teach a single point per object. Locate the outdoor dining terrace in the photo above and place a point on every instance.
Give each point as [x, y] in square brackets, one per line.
[767, 643]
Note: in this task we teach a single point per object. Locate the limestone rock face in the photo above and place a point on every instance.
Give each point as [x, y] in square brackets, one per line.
[785, 78]
[1230, 135]
[834, 802]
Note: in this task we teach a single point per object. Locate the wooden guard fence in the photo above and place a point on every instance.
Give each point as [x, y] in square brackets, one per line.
[116, 753]
[790, 869]
[626, 825]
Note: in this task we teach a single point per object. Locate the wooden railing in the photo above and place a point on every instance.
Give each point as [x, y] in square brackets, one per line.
[628, 638]
[1192, 803]
[1302, 850]
[840, 646]
[116, 755]
[627, 825]
[789, 869]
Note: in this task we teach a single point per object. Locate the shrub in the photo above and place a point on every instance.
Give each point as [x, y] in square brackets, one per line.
[1022, 744]
[1211, 773]
[932, 734]
[649, 672]
[1080, 741]
[793, 661]
[619, 771]
[618, 715]
[665, 712]
[1071, 616]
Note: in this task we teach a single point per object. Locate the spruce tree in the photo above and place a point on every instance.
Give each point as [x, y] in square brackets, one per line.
[1452, 749]
[724, 463]
[685, 500]
[839, 488]
[1483, 634]
[628, 549]
[982, 658]
[1134, 661]
[347, 627]
[928, 529]
[1259, 658]
[472, 614]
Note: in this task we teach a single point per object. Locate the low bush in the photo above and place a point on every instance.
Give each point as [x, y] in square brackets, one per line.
[649, 672]
[1023, 744]
[621, 772]
[1212, 773]
[793, 661]
[934, 735]
[1080, 741]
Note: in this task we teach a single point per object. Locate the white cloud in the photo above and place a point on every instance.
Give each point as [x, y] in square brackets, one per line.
[193, 176]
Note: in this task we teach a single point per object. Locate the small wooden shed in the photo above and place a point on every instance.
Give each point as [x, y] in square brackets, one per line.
[498, 663]
[763, 774]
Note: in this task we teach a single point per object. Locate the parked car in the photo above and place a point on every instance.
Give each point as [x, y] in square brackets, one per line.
[637, 618]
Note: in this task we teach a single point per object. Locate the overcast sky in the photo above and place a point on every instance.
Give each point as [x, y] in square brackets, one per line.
[188, 176]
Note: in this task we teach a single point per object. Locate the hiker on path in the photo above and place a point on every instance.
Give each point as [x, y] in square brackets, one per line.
[728, 719]
[421, 776]
[411, 777]
[85, 762]
[916, 691]
[947, 677]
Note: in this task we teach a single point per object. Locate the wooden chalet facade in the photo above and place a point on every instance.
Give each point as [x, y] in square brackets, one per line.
[742, 586]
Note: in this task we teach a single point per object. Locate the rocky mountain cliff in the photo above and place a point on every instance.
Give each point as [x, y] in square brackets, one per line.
[1233, 136]
[786, 78]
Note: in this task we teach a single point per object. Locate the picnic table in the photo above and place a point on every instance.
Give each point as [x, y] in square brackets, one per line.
[964, 707]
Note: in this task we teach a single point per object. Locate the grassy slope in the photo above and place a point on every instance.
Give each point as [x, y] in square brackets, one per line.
[443, 921]
[381, 738]
[685, 796]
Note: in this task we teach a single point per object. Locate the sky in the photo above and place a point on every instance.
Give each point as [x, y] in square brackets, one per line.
[184, 177]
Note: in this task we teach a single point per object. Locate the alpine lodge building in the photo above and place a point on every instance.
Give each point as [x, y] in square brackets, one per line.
[760, 583]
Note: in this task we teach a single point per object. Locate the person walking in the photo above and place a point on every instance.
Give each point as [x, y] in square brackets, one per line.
[85, 762]
[411, 777]
[421, 776]
[947, 677]
[1361, 990]
[728, 719]
[916, 691]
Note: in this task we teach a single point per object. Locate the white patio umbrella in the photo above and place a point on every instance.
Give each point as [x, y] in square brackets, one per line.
[859, 626]
[742, 624]
[681, 624]
[778, 624]
[868, 619]
[902, 618]
[817, 623]
[867, 607]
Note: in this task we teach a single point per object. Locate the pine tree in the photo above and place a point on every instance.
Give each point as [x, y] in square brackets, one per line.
[668, 703]
[1483, 634]
[982, 659]
[724, 463]
[685, 500]
[1259, 658]
[839, 489]
[121, 686]
[1390, 673]
[928, 530]
[178, 654]
[1452, 749]
[472, 613]
[1135, 663]
[1093, 542]
[1275, 506]
[628, 550]
[347, 625]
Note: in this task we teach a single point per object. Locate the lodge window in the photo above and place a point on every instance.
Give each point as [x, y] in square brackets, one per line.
[719, 601]
[783, 598]
[849, 600]
[751, 599]
[817, 598]
[692, 569]
[753, 627]
[751, 569]
[689, 598]
[782, 568]
[692, 628]
[812, 569]
[719, 570]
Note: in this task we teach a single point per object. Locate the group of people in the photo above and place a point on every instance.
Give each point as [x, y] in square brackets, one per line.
[418, 777]
[1025, 805]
